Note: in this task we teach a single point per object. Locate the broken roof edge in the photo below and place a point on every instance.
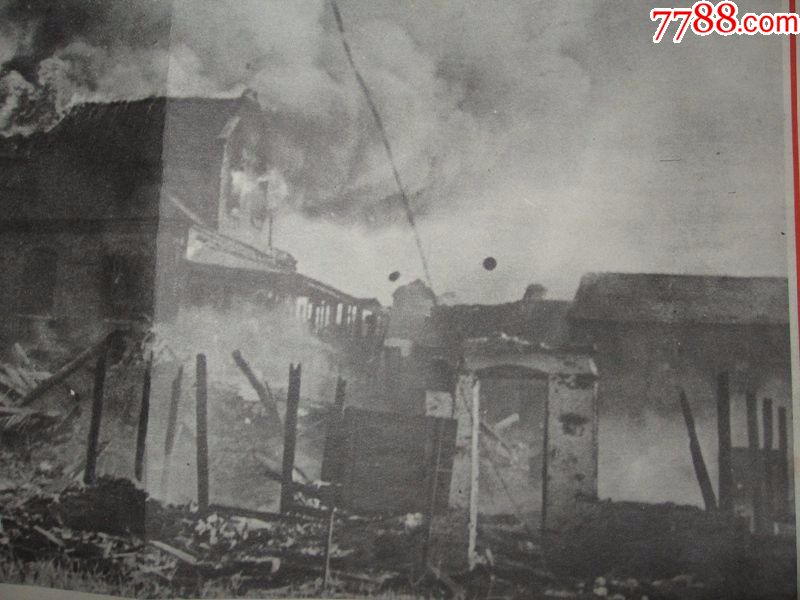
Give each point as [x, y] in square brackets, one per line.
[616, 296]
[503, 350]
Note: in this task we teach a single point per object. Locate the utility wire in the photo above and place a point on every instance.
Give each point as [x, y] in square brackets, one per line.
[385, 138]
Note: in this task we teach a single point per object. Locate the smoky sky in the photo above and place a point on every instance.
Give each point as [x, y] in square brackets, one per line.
[554, 137]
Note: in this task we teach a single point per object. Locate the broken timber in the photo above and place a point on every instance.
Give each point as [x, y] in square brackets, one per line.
[263, 391]
[169, 439]
[697, 455]
[144, 415]
[67, 370]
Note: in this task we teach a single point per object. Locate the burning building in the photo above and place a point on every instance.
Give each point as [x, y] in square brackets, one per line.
[651, 336]
[657, 334]
[132, 212]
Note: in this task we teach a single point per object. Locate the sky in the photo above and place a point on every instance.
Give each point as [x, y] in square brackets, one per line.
[554, 137]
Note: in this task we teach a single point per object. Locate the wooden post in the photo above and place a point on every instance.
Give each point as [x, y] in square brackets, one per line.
[697, 455]
[474, 473]
[169, 438]
[328, 544]
[331, 455]
[769, 480]
[754, 462]
[144, 415]
[724, 441]
[89, 475]
[783, 463]
[438, 434]
[202, 434]
[290, 437]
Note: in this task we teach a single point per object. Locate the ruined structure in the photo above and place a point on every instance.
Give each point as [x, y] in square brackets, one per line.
[128, 212]
[656, 334]
[561, 438]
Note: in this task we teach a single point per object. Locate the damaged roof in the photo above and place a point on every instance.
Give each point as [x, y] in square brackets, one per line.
[116, 155]
[664, 298]
[542, 322]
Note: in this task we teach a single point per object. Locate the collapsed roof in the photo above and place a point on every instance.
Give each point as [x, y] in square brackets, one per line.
[644, 297]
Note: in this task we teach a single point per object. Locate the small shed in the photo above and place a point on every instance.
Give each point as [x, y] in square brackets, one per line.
[564, 383]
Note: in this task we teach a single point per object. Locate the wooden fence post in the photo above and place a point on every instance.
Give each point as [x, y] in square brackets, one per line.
[769, 480]
[783, 464]
[290, 437]
[144, 416]
[724, 443]
[89, 475]
[755, 463]
[697, 455]
[332, 460]
[202, 434]
[474, 475]
[169, 438]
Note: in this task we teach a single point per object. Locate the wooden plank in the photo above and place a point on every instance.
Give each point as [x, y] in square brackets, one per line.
[724, 443]
[202, 433]
[49, 536]
[754, 463]
[144, 416]
[181, 555]
[697, 455]
[89, 475]
[290, 437]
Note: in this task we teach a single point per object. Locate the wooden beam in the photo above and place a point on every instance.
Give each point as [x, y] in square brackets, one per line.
[724, 443]
[769, 482]
[290, 437]
[754, 466]
[90, 475]
[697, 455]
[68, 369]
[261, 390]
[169, 438]
[144, 416]
[202, 433]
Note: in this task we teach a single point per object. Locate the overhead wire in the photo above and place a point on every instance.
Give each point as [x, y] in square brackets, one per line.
[387, 146]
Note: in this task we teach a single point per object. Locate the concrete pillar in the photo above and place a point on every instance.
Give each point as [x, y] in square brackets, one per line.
[570, 466]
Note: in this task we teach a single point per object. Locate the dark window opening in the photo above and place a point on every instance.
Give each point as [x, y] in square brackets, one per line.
[127, 285]
[38, 282]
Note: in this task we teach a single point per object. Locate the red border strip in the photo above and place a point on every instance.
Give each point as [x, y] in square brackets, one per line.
[795, 145]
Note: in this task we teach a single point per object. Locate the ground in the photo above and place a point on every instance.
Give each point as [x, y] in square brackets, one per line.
[113, 538]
